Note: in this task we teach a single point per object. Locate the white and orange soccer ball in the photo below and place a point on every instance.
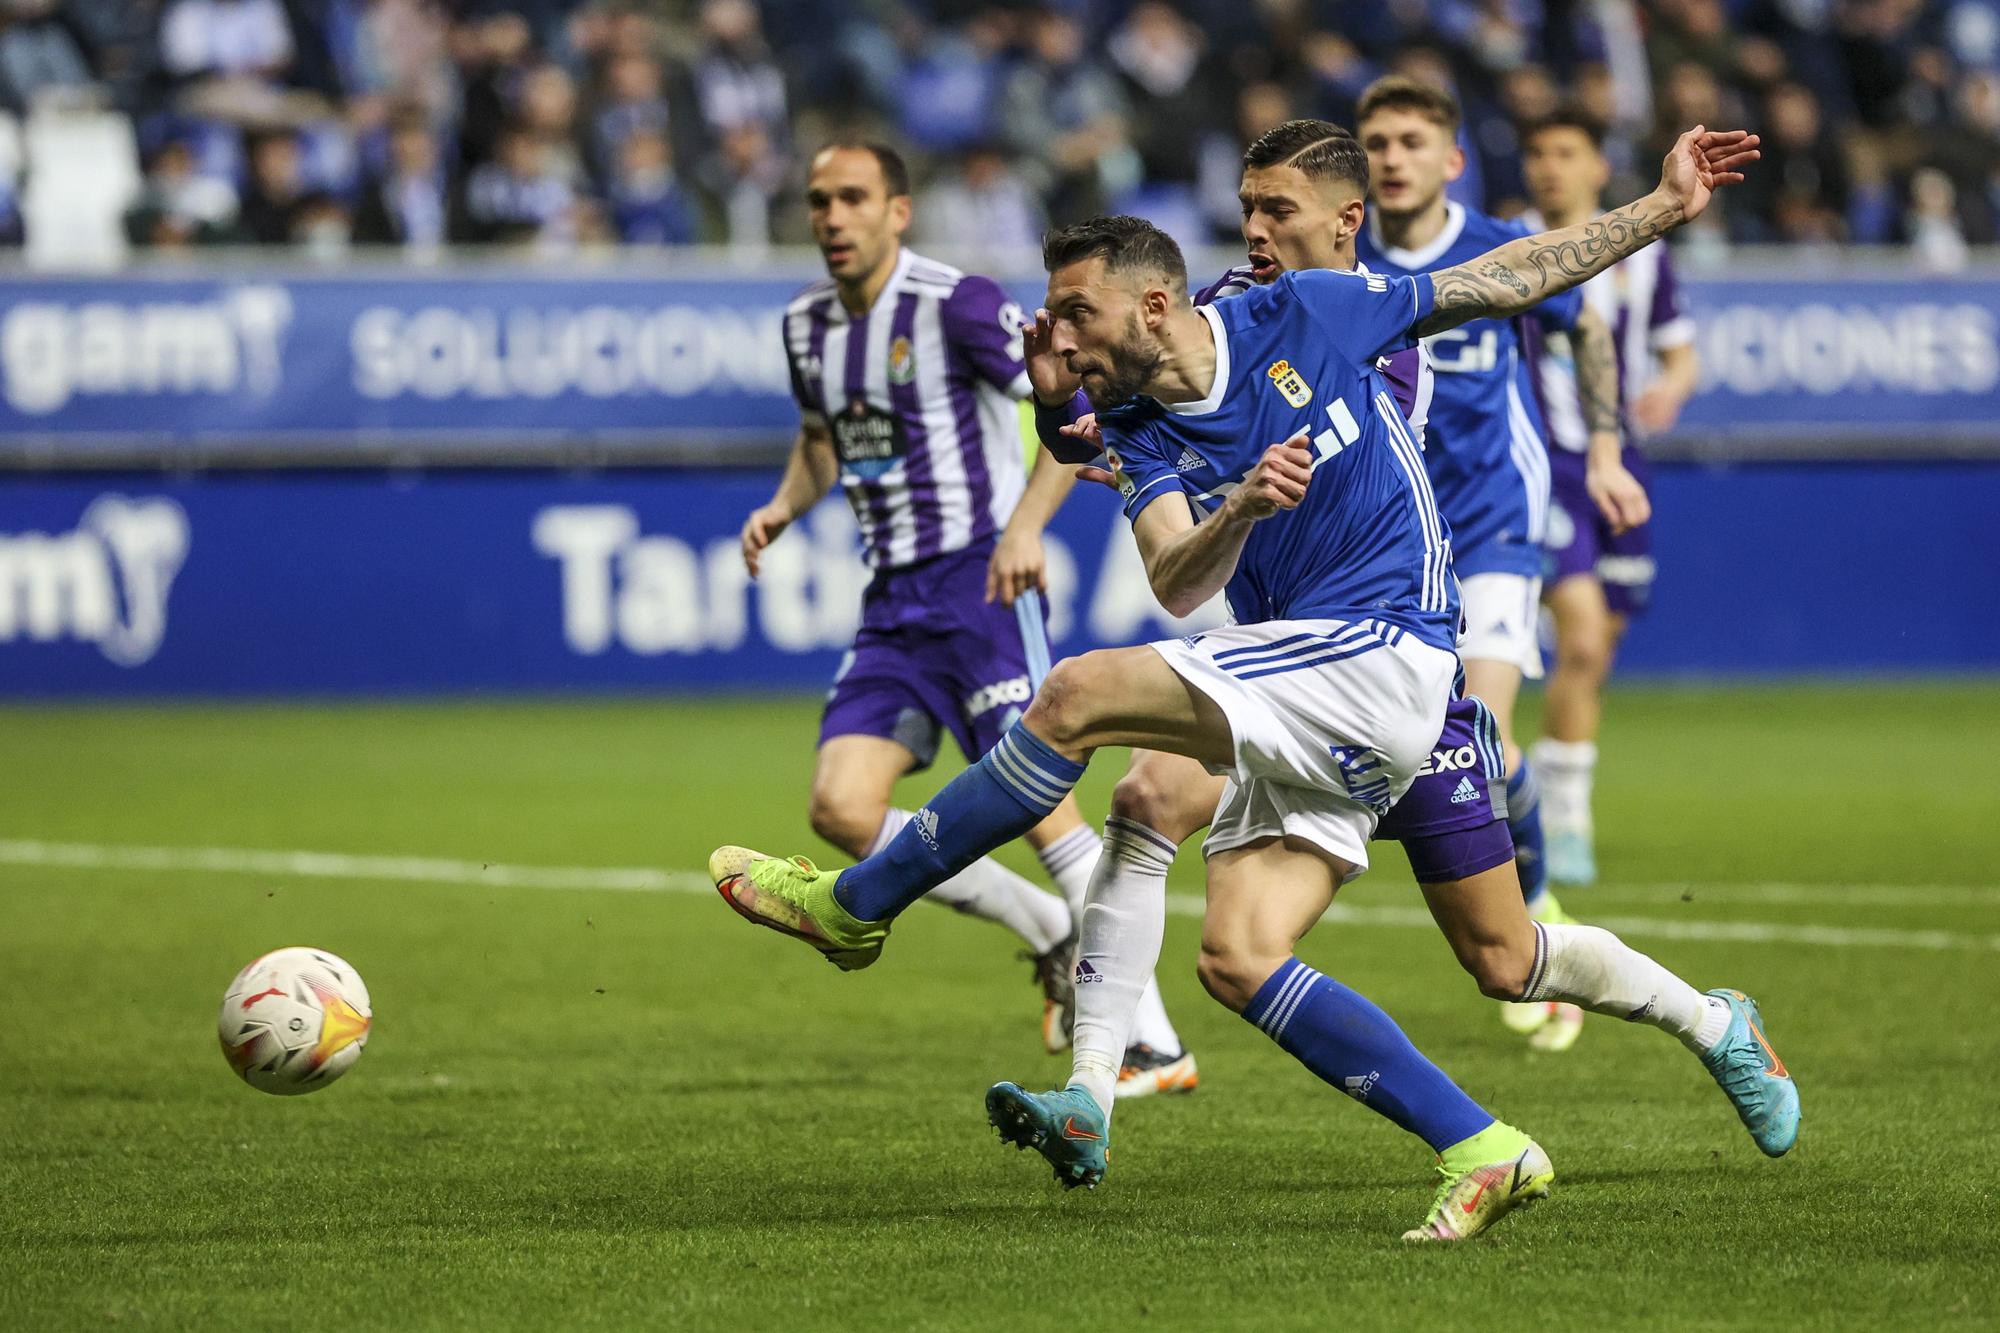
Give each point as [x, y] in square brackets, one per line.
[294, 1021]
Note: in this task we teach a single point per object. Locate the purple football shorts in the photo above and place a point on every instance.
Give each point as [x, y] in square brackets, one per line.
[934, 655]
[1581, 542]
[1452, 821]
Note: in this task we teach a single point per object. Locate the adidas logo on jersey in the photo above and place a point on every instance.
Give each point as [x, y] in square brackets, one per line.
[927, 826]
[1464, 792]
[1085, 973]
[1189, 461]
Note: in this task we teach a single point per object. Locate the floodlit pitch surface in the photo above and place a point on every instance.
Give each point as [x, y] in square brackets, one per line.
[595, 1098]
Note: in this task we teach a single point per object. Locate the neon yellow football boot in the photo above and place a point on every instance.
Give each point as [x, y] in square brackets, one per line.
[795, 897]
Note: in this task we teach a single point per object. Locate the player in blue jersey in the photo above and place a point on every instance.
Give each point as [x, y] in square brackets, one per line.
[907, 373]
[1321, 703]
[1302, 185]
[1484, 446]
[1602, 576]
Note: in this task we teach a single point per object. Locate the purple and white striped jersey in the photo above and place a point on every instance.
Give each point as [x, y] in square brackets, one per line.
[918, 394]
[1408, 371]
[1641, 301]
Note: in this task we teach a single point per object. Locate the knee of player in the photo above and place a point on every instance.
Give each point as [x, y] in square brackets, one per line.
[1144, 799]
[1500, 968]
[1585, 655]
[1230, 974]
[1063, 709]
[848, 824]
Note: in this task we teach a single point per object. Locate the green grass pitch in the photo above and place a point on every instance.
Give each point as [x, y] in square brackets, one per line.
[595, 1108]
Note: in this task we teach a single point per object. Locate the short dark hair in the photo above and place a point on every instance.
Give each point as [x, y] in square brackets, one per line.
[895, 171]
[1318, 149]
[1400, 92]
[1125, 244]
[1568, 117]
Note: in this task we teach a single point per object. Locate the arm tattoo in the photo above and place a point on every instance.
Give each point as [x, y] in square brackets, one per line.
[1526, 272]
[1596, 372]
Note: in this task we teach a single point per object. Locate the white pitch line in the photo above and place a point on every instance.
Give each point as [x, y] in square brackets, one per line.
[641, 879]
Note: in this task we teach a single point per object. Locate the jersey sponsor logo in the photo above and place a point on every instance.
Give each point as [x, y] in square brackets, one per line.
[989, 697]
[1289, 383]
[1126, 486]
[1189, 461]
[1456, 352]
[1464, 792]
[870, 442]
[902, 362]
[1449, 761]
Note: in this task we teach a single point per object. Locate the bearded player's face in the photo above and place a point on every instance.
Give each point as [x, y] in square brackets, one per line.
[1099, 332]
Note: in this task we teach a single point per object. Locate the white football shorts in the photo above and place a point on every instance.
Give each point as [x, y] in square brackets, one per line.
[1330, 723]
[1502, 614]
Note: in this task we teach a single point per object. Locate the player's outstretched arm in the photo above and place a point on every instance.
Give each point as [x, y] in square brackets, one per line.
[1187, 562]
[1524, 273]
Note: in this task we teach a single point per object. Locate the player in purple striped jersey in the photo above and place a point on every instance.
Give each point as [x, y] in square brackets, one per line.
[1602, 575]
[907, 373]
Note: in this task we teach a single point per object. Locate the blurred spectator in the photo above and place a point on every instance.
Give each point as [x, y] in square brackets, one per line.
[1065, 115]
[394, 53]
[983, 206]
[180, 207]
[522, 195]
[1967, 151]
[1798, 192]
[1160, 56]
[39, 54]
[1259, 107]
[735, 79]
[492, 56]
[278, 191]
[634, 102]
[1935, 239]
[648, 205]
[411, 204]
[226, 39]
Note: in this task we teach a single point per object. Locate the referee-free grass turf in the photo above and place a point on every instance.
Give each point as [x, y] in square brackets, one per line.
[601, 1109]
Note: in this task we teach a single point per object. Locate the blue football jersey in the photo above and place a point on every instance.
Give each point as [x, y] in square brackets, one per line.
[1299, 354]
[1484, 444]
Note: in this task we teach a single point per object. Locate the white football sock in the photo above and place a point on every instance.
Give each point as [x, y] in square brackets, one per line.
[1593, 968]
[1566, 770]
[1124, 921]
[1071, 861]
[991, 891]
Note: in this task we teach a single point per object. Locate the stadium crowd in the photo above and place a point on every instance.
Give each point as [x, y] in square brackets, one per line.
[556, 123]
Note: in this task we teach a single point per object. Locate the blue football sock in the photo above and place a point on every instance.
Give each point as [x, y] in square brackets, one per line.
[1345, 1039]
[1524, 822]
[1015, 786]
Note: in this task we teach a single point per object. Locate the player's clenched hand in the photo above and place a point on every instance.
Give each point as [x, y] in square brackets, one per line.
[1016, 567]
[760, 530]
[1053, 383]
[1617, 495]
[1277, 482]
[1655, 410]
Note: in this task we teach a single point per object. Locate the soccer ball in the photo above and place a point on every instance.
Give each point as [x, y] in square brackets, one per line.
[294, 1021]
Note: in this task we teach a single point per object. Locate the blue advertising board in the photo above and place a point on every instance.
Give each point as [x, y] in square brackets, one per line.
[358, 364]
[366, 582]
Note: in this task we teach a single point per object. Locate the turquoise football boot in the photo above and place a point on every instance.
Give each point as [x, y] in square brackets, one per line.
[1753, 1077]
[1572, 860]
[1065, 1126]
